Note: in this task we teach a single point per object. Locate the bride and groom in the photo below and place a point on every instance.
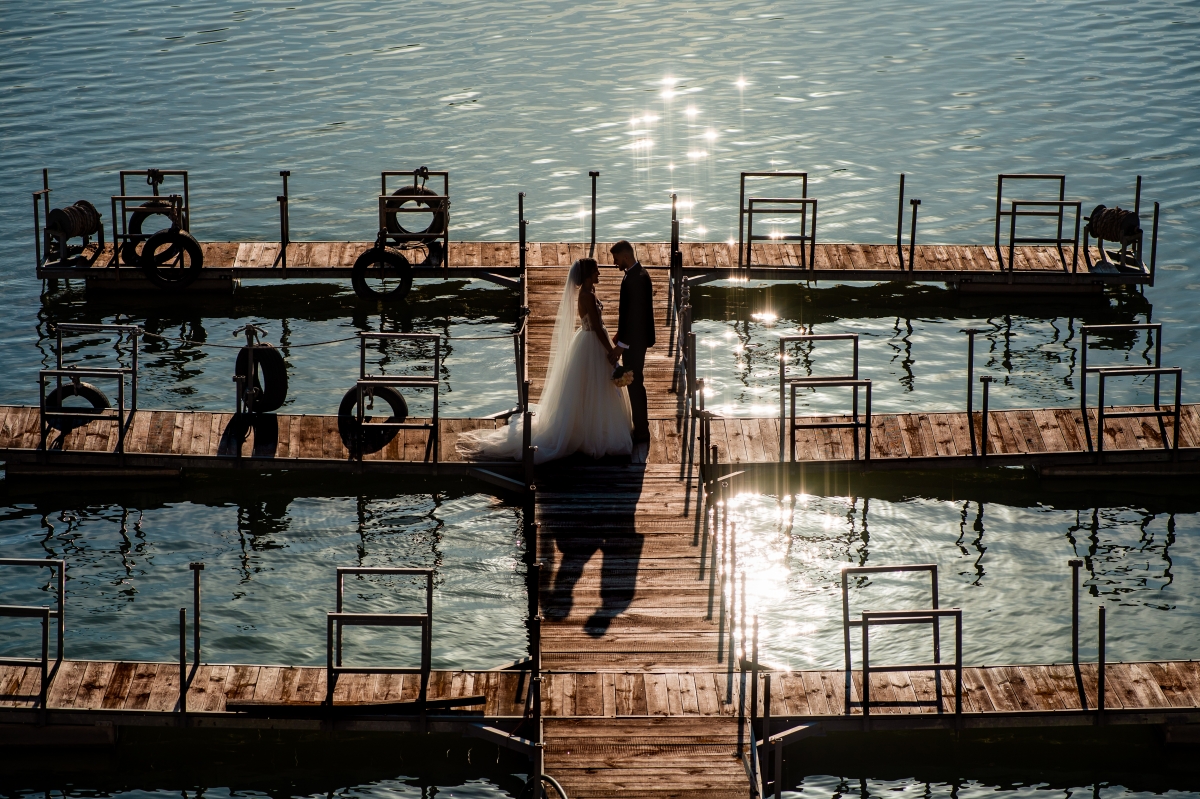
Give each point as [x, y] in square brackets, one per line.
[582, 407]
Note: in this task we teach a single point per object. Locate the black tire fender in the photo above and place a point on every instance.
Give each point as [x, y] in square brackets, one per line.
[164, 246]
[98, 399]
[374, 437]
[381, 258]
[131, 251]
[437, 225]
[269, 369]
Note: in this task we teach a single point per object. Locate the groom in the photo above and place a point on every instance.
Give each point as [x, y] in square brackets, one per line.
[635, 331]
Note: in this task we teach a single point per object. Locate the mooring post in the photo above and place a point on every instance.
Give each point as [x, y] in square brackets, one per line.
[971, 331]
[285, 230]
[912, 234]
[196, 568]
[183, 681]
[987, 381]
[1100, 666]
[1075, 563]
[592, 249]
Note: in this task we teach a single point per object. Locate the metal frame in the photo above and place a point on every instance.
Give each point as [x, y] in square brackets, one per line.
[123, 415]
[743, 245]
[776, 206]
[1060, 204]
[389, 203]
[922, 616]
[831, 381]
[1105, 372]
[367, 382]
[186, 220]
[338, 619]
[45, 614]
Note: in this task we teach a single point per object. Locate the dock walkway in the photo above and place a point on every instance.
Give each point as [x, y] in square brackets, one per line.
[1037, 268]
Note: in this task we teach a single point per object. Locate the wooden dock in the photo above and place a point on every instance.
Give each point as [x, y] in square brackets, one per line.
[969, 267]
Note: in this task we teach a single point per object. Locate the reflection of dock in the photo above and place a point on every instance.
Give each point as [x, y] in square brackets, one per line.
[969, 267]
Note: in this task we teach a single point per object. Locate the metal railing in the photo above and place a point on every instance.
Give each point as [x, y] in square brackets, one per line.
[743, 246]
[122, 414]
[44, 614]
[367, 383]
[1103, 372]
[931, 616]
[788, 424]
[338, 619]
[785, 206]
[185, 679]
[436, 204]
[1060, 205]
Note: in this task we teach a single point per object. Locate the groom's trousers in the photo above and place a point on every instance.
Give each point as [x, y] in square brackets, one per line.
[634, 358]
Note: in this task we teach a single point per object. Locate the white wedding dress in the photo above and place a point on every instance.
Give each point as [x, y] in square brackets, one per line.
[580, 409]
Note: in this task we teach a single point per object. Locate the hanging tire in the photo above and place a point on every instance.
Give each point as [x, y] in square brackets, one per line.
[435, 255]
[269, 369]
[94, 396]
[437, 209]
[381, 274]
[131, 250]
[373, 437]
[171, 259]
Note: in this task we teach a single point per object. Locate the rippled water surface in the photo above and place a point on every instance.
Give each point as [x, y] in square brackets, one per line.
[661, 98]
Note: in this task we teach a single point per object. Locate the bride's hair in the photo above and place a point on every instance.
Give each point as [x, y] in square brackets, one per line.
[583, 268]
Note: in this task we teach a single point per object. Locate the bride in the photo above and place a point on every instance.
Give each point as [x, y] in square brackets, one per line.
[581, 410]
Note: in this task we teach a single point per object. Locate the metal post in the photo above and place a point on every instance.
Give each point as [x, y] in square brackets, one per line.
[766, 725]
[196, 568]
[1154, 244]
[971, 331]
[987, 381]
[527, 448]
[900, 224]
[753, 681]
[782, 453]
[1100, 659]
[592, 249]
[521, 232]
[912, 235]
[183, 682]
[285, 230]
[1075, 563]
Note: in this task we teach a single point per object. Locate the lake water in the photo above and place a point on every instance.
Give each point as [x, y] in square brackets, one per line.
[661, 98]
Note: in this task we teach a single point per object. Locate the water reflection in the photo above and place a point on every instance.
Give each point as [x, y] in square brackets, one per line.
[911, 345]
[186, 356]
[270, 544]
[1002, 557]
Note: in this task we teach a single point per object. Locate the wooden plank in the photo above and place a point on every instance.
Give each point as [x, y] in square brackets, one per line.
[140, 686]
[92, 686]
[119, 683]
[66, 683]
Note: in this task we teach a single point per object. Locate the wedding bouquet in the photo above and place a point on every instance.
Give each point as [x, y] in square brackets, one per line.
[622, 376]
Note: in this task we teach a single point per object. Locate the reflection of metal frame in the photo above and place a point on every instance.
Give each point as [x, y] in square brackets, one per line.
[367, 382]
[745, 243]
[338, 619]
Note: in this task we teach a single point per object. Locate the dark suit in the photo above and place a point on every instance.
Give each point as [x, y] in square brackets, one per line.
[635, 329]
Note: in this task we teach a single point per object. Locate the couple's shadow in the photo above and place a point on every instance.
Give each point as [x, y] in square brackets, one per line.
[593, 511]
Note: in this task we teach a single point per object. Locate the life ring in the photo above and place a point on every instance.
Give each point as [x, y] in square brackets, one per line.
[172, 259]
[131, 253]
[369, 437]
[381, 274]
[437, 209]
[269, 368]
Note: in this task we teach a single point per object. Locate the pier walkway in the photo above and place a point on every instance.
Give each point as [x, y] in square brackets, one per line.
[969, 267]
